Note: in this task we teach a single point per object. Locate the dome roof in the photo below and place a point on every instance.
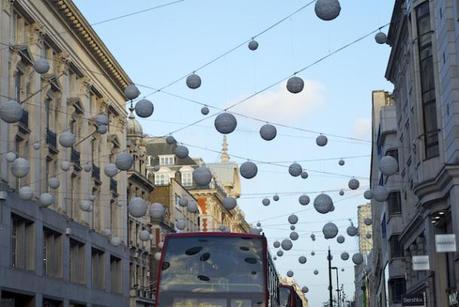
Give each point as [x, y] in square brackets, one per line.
[134, 129]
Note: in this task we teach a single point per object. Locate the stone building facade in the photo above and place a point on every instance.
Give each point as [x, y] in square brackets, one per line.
[61, 255]
[423, 69]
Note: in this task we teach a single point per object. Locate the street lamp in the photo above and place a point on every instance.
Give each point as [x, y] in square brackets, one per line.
[337, 285]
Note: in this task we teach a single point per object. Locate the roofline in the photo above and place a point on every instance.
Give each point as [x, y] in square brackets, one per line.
[81, 28]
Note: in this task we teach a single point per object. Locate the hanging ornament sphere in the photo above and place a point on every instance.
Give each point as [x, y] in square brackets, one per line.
[54, 183]
[102, 129]
[294, 236]
[302, 259]
[202, 176]
[305, 290]
[25, 193]
[341, 192]
[313, 253]
[65, 165]
[115, 241]
[46, 200]
[279, 253]
[293, 219]
[258, 224]
[157, 256]
[388, 165]
[344, 256]
[131, 92]
[368, 221]
[170, 140]
[181, 152]
[268, 132]
[193, 81]
[381, 38]
[368, 235]
[41, 66]
[67, 139]
[265, 201]
[295, 84]
[330, 230]
[192, 207]
[110, 170]
[327, 9]
[292, 227]
[316, 272]
[321, 140]
[286, 244]
[137, 207]
[36, 145]
[10, 157]
[225, 123]
[253, 45]
[341, 162]
[87, 167]
[323, 203]
[86, 205]
[248, 170]
[11, 111]
[304, 175]
[144, 235]
[274, 258]
[313, 237]
[276, 197]
[101, 119]
[180, 224]
[156, 168]
[20, 168]
[276, 244]
[357, 258]
[353, 184]
[352, 231]
[368, 194]
[229, 203]
[380, 193]
[124, 161]
[290, 273]
[157, 211]
[204, 110]
[304, 200]
[183, 202]
[340, 239]
[144, 108]
[295, 169]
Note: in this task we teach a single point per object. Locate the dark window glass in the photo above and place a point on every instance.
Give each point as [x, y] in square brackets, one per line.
[394, 203]
[212, 271]
[395, 248]
[397, 289]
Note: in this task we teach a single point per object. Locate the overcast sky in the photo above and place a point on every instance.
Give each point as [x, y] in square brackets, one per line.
[159, 46]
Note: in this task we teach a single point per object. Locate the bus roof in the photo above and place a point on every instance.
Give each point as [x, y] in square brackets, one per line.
[214, 234]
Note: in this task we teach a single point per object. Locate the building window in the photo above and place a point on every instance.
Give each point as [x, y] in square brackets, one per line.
[76, 262]
[167, 160]
[397, 290]
[395, 247]
[427, 80]
[394, 203]
[162, 179]
[187, 179]
[22, 243]
[52, 253]
[115, 274]
[383, 228]
[97, 265]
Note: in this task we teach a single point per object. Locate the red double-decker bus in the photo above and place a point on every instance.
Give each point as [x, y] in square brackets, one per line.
[288, 297]
[216, 269]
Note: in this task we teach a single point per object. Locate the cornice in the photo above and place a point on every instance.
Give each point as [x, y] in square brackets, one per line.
[72, 16]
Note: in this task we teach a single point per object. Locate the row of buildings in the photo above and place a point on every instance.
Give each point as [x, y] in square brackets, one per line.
[62, 255]
[414, 260]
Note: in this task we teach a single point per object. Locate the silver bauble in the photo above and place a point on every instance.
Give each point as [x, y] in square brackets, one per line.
[26, 193]
[36, 145]
[144, 235]
[323, 203]
[183, 202]
[101, 119]
[302, 259]
[381, 38]
[368, 194]
[276, 197]
[41, 66]
[181, 152]
[137, 207]
[295, 84]
[171, 140]
[54, 183]
[341, 162]
[293, 219]
[304, 200]
[321, 140]
[86, 205]
[341, 192]
[353, 184]
[286, 244]
[265, 201]
[87, 167]
[304, 174]
[124, 161]
[202, 176]
[253, 45]
[102, 129]
[248, 170]
[276, 244]
[46, 200]
[144, 108]
[157, 256]
[305, 289]
[380, 193]
[225, 123]
[192, 207]
[357, 258]
[290, 273]
[279, 253]
[10, 157]
[367, 221]
[20, 168]
[295, 169]
[352, 231]
[294, 236]
[330, 230]
[115, 241]
[344, 256]
[204, 110]
[11, 111]
[193, 81]
[316, 272]
[327, 9]
[268, 132]
[110, 170]
[340, 239]
[180, 224]
[131, 92]
[388, 165]
[67, 139]
[157, 211]
[65, 165]
[229, 203]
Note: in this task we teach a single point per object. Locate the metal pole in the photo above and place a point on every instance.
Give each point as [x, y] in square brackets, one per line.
[330, 288]
[337, 286]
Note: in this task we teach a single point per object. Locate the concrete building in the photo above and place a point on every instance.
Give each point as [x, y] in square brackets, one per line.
[365, 231]
[141, 270]
[61, 255]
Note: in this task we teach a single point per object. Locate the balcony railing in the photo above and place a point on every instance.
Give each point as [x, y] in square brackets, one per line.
[51, 138]
[113, 185]
[75, 158]
[95, 172]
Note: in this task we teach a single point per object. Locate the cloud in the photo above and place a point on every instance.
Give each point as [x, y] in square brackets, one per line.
[362, 128]
[280, 105]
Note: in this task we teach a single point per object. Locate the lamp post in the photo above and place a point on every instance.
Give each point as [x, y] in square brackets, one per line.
[337, 286]
[330, 288]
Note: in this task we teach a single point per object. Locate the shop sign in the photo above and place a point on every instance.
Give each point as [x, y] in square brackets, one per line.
[421, 263]
[414, 300]
[445, 243]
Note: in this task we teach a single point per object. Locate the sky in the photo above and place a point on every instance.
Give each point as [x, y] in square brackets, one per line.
[162, 45]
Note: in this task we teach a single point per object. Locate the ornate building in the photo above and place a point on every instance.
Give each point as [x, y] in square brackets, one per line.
[71, 234]
[140, 246]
